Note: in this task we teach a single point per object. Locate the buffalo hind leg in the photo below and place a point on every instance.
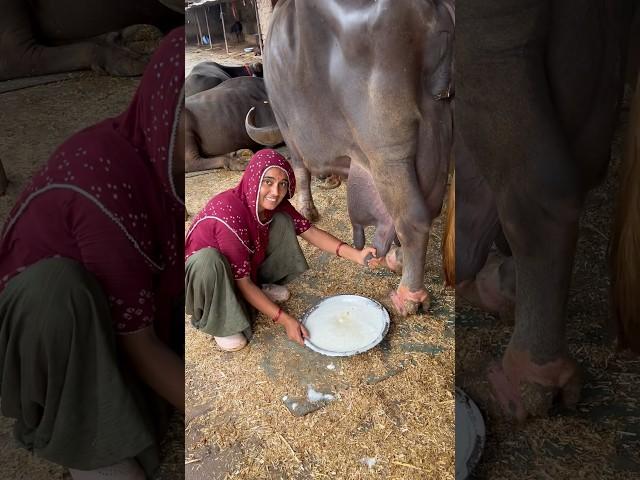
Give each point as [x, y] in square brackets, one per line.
[412, 223]
[505, 115]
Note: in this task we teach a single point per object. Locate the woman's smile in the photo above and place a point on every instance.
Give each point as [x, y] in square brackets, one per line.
[274, 187]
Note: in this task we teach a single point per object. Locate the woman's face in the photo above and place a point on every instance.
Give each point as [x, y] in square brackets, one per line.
[273, 189]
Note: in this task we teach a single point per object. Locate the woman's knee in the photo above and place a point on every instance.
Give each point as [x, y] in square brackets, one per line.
[281, 227]
[57, 297]
[63, 278]
[205, 266]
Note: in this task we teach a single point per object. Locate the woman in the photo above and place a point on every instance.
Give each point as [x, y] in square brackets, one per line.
[90, 269]
[245, 237]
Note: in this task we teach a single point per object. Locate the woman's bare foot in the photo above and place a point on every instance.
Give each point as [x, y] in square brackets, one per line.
[277, 293]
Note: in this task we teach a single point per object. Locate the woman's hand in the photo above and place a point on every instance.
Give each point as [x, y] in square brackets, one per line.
[328, 243]
[361, 255]
[295, 330]
[157, 365]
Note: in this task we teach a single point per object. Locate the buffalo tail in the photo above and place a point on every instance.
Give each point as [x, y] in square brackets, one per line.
[625, 243]
[449, 241]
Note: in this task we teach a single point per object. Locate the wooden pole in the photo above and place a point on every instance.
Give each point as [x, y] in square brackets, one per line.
[206, 17]
[255, 4]
[224, 32]
[195, 12]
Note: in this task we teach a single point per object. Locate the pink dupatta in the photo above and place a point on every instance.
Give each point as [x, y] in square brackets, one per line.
[230, 222]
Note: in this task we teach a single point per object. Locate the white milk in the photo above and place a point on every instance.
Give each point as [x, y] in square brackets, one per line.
[345, 323]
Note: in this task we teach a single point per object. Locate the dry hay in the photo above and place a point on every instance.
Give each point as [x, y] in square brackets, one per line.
[235, 413]
[601, 439]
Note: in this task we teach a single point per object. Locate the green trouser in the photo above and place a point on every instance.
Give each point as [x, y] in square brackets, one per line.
[212, 299]
[60, 377]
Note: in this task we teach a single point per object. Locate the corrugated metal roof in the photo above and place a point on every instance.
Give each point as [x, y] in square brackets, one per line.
[202, 3]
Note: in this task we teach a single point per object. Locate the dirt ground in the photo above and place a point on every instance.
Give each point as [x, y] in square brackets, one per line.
[601, 438]
[33, 123]
[394, 404]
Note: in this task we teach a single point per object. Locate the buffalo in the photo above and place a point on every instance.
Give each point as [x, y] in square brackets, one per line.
[369, 84]
[115, 37]
[206, 75]
[537, 94]
[215, 124]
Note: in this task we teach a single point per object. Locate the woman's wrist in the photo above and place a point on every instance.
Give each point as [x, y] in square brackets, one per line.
[284, 318]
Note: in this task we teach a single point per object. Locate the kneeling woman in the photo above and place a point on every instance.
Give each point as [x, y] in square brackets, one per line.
[245, 237]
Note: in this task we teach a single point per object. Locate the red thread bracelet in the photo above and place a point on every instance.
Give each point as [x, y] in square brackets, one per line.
[275, 319]
[338, 249]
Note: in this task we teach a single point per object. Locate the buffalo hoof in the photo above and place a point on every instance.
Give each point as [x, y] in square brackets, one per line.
[329, 182]
[309, 212]
[238, 161]
[126, 53]
[393, 259]
[407, 303]
[493, 288]
[119, 62]
[523, 388]
[142, 39]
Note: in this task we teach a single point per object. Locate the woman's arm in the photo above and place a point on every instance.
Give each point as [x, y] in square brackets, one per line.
[328, 243]
[256, 297]
[156, 364]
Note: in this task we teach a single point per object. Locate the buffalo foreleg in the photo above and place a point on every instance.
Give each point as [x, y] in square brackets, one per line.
[304, 199]
[195, 162]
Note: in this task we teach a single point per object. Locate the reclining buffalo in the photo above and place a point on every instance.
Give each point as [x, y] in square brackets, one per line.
[206, 75]
[115, 37]
[215, 135]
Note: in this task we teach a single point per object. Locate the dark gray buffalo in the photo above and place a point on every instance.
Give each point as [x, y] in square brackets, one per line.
[53, 36]
[215, 124]
[206, 75]
[367, 83]
[538, 85]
